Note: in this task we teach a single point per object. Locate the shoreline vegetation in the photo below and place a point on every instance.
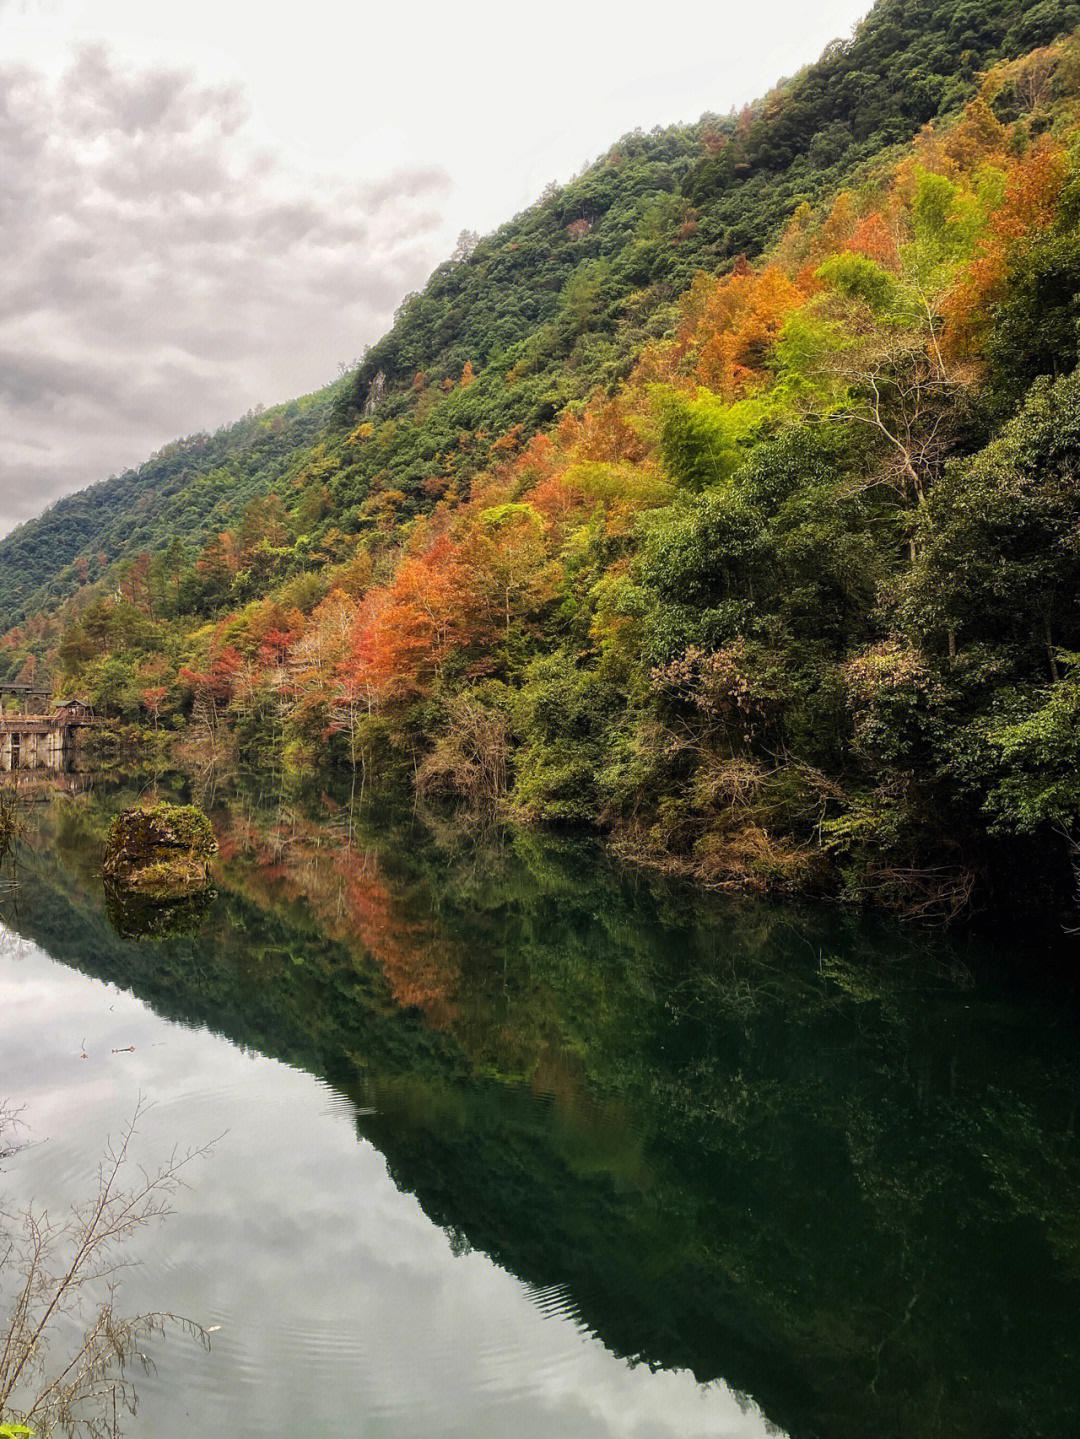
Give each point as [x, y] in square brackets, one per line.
[9, 821]
[724, 503]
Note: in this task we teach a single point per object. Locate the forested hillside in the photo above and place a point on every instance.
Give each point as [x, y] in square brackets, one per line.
[181, 494]
[562, 298]
[726, 500]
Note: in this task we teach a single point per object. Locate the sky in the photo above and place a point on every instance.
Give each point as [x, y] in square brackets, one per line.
[212, 205]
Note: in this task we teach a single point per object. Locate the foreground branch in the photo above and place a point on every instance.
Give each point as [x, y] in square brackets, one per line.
[47, 1267]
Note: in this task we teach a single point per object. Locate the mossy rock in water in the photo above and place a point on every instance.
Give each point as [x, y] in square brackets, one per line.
[163, 852]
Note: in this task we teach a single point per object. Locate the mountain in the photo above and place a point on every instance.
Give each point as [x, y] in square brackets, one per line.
[724, 500]
[562, 297]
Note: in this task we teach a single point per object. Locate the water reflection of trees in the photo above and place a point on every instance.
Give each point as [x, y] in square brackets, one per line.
[789, 1150]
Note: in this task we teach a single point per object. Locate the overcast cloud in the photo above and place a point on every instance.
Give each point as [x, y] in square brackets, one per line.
[160, 275]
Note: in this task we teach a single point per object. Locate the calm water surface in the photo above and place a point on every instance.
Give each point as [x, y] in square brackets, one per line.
[509, 1142]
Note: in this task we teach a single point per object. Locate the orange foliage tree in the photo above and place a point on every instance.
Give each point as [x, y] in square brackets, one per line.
[1032, 194]
[404, 632]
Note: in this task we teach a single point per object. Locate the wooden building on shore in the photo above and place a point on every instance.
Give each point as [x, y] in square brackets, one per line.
[34, 733]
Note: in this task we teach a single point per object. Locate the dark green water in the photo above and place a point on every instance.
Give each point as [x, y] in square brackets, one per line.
[515, 1142]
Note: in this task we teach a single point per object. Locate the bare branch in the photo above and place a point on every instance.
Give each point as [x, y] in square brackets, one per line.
[55, 1263]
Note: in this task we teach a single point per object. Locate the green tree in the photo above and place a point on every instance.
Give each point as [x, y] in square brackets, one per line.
[1037, 323]
[999, 553]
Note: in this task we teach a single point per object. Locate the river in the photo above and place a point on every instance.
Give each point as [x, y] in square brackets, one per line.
[508, 1140]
